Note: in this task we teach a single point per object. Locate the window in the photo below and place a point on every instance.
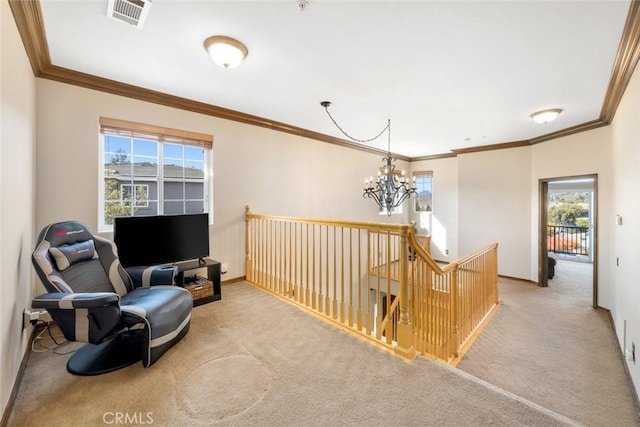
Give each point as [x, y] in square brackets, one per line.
[149, 170]
[137, 194]
[424, 201]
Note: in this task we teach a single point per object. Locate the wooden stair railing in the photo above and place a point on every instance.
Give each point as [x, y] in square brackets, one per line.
[377, 281]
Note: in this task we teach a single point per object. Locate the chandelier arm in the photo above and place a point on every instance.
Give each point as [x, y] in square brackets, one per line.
[388, 126]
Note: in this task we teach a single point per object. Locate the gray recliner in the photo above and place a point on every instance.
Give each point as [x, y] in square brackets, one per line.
[123, 317]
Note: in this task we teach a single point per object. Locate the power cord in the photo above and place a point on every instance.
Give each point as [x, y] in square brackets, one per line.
[41, 343]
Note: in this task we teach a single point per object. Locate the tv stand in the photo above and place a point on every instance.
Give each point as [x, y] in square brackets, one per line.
[204, 289]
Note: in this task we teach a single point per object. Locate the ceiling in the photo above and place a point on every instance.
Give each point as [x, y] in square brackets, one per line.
[451, 75]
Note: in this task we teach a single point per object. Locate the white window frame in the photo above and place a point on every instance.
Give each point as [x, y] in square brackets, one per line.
[160, 135]
[416, 176]
[137, 204]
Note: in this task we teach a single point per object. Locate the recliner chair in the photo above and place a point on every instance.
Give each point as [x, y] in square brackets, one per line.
[93, 299]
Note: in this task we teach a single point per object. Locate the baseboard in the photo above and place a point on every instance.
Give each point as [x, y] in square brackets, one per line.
[519, 279]
[634, 393]
[16, 385]
[234, 280]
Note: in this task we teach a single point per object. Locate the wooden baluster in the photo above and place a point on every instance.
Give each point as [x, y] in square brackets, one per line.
[334, 307]
[326, 287]
[247, 244]
[359, 312]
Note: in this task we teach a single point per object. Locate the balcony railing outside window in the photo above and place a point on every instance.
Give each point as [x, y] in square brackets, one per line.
[568, 239]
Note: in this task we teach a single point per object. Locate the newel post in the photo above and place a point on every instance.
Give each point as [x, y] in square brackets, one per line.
[247, 241]
[404, 347]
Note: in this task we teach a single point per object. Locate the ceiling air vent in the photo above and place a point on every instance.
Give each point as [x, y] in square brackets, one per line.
[133, 12]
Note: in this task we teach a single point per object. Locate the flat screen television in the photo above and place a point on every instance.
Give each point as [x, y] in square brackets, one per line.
[161, 239]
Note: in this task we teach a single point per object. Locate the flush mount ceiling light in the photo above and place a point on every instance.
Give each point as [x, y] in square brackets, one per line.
[546, 116]
[225, 51]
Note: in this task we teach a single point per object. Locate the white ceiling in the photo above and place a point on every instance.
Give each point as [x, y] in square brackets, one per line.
[449, 74]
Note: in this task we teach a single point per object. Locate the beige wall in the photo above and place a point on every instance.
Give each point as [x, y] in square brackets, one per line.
[479, 198]
[495, 205]
[624, 196]
[492, 196]
[17, 168]
[273, 172]
[585, 153]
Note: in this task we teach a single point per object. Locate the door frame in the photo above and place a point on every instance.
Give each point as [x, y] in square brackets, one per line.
[543, 204]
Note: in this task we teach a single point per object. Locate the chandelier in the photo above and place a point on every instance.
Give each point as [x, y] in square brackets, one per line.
[390, 188]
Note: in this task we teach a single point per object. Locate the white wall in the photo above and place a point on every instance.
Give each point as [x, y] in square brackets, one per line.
[17, 193]
[624, 197]
[273, 172]
[442, 223]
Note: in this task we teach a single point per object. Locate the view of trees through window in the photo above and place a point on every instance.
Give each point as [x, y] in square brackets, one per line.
[568, 223]
[569, 208]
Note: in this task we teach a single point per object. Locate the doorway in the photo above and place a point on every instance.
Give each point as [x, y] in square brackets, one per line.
[568, 233]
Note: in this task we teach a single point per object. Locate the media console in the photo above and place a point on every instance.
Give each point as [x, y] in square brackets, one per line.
[203, 289]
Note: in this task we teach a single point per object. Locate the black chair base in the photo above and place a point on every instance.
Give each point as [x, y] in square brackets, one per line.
[108, 356]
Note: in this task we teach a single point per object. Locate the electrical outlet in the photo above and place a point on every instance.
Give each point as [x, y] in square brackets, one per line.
[32, 317]
[446, 251]
[630, 353]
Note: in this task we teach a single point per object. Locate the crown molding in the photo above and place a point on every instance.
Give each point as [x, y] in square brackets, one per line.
[28, 17]
[433, 157]
[593, 124]
[624, 64]
[29, 21]
[492, 147]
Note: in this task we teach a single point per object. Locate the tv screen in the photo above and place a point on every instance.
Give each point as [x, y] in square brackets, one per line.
[161, 239]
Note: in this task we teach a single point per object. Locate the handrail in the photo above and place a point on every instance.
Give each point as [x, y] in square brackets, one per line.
[375, 280]
[477, 253]
[430, 261]
[352, 224]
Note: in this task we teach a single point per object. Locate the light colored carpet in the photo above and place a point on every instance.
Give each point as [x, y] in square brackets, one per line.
[550, 346]
[254, 360]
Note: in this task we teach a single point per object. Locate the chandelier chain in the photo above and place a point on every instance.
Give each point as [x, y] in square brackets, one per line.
[390, 189]
[388, 126]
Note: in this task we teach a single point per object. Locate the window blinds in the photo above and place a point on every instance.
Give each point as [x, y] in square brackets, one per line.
[157, 133]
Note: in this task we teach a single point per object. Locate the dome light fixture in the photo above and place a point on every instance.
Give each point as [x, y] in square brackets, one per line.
[546, 116]
[225, 51]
